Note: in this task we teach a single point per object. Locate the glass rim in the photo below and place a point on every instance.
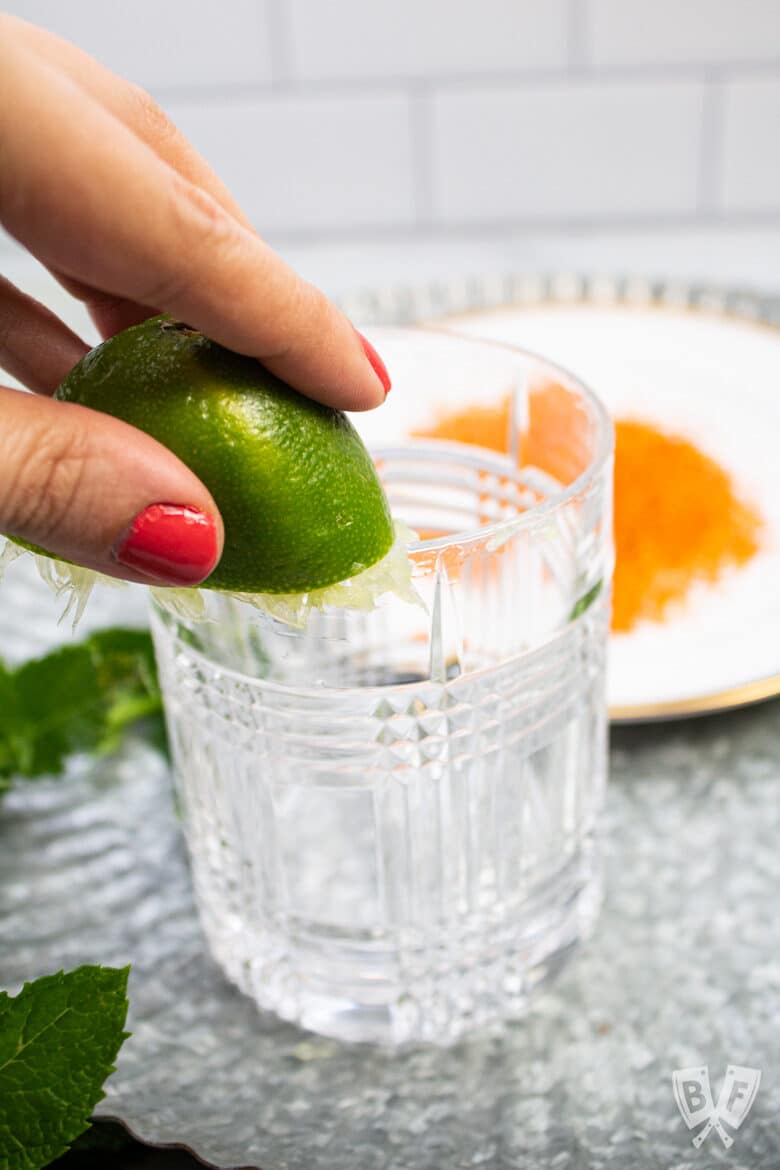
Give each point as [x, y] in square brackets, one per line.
[482, 459]
[536, 514]
[168, 621]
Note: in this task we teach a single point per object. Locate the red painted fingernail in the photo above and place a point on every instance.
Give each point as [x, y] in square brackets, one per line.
[377, 365]
[174, 544]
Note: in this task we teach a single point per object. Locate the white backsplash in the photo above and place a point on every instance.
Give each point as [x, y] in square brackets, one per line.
[351, 117]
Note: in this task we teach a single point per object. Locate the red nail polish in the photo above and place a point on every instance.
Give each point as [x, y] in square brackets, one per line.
[174, 544]
[377, 365]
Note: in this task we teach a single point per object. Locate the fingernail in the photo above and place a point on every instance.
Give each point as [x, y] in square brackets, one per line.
[377, 365]
[174, 544]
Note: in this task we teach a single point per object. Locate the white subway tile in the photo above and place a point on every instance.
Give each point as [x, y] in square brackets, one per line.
[309, 163]
[176, 42]
[421, 38]
[566, 151]
[751, 147]
[626, 32]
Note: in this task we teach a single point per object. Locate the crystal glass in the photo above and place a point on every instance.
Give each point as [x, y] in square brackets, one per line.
[391, 814]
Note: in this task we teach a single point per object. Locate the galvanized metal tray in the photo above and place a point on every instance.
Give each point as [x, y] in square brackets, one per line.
[682, 970]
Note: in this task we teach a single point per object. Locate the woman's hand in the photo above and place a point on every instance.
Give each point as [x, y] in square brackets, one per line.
[100, 186]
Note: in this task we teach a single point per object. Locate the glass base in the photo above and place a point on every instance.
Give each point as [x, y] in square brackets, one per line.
[433, 989]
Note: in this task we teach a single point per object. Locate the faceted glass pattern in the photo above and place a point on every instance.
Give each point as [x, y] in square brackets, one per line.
[391, 815]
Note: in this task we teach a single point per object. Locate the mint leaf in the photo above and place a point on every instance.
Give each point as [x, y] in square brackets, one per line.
[586, 601]
[81, 697]
[58, 1041]
[7, 745]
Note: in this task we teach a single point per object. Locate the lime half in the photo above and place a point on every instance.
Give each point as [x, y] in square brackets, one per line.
[300, 499]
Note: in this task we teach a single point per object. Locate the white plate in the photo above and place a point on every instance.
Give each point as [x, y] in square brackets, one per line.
[708, 374]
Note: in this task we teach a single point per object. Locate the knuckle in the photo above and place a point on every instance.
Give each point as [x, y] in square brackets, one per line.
[49, 476]
[312, 304]
[324, 320]
[149, 119]
[202, 234]
[282, 339]
[298, 316]
[200, 217]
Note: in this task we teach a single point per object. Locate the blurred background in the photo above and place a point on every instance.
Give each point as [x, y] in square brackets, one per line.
[403, 138]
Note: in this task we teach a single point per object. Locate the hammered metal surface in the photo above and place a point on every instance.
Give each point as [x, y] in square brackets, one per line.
[683, 969]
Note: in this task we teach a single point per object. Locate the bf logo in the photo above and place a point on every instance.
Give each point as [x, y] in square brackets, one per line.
[694, 1100]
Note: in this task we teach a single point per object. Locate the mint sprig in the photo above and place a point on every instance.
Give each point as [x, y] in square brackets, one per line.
[59, 1038]
[82, 697]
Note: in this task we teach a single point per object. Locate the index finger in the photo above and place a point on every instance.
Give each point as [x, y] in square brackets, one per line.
[123, 221]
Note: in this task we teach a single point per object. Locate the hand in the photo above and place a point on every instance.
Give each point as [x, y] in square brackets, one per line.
[102, 188]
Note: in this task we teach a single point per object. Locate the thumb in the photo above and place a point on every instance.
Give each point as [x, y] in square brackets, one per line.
[94, 490]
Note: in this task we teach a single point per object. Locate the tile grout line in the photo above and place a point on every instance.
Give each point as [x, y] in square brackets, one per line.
[578, 20]
[283, 85]
[280, 40]
[533, 228]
